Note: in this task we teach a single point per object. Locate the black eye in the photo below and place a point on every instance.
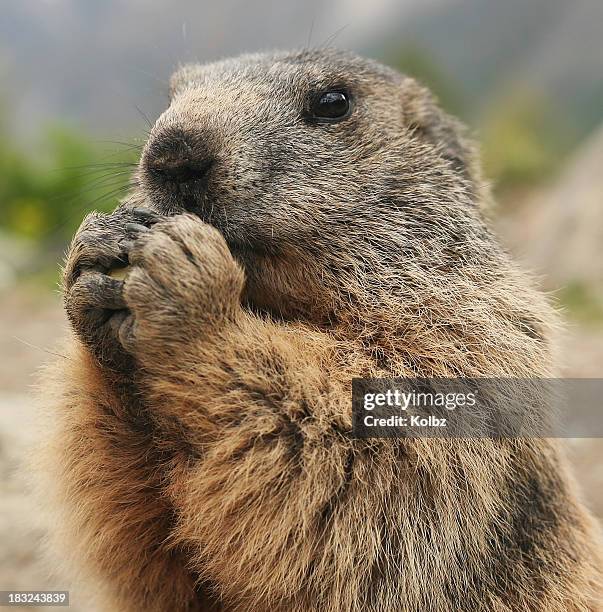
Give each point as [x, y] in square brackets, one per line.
[331, 106]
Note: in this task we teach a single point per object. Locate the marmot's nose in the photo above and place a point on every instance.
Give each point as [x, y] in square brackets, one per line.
[180, 170]
[174, 157]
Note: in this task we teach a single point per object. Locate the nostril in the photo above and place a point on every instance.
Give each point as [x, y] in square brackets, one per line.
[180, 171]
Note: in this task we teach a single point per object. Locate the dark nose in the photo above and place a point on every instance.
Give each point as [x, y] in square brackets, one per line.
[175, 157]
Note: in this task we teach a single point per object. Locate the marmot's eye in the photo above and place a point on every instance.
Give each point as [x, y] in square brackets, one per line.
[331, 106]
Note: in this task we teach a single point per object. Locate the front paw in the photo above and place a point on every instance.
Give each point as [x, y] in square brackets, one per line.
[183, 281]
[94, 300]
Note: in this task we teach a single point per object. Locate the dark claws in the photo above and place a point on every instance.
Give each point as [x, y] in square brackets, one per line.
[136, 228]
[146, 215]
[126, 245]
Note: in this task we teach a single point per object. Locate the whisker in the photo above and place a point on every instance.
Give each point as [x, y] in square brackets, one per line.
[90, 186]
[143, 115]
[333, 36]
[40, 348]
[84, 207]
[127, 146]
[97, 165]
[309, 40]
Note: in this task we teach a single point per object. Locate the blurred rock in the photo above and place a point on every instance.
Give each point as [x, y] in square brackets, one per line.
[560, 232]
[22, 526]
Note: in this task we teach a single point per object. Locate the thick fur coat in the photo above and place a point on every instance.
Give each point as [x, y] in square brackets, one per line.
[199, 445]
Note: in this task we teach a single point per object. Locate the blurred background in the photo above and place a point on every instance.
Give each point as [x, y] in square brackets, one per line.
[82, 80]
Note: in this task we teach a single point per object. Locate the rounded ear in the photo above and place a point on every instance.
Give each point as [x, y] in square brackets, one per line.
[429, 122]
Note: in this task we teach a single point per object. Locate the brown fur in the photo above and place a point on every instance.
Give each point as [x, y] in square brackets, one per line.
[200, 445]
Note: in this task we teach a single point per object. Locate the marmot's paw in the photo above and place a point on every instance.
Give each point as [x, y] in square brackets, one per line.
[93, 300]
[183, 280]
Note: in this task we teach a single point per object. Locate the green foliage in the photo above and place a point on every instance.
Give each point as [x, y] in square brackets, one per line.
[521, 138]
[418, 63]
[582, 303]
[44, 197]
[522, 143]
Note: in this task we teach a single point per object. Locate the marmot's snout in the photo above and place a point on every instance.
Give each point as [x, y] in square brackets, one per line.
[175, 162]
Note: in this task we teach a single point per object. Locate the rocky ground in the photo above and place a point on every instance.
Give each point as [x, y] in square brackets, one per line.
[30, 325]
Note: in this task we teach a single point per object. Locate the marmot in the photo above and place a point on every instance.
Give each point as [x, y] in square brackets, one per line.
[299, 219]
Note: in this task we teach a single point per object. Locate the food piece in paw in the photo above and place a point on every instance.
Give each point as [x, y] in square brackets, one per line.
[119, 273]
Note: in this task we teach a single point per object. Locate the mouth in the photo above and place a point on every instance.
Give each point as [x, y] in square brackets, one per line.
[242, 233]
[240, 237]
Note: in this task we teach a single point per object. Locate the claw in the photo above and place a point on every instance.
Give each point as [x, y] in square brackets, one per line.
[126, 244]
[134, 228]
[147, 215]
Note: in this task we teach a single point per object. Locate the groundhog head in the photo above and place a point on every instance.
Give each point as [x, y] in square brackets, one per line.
[334, 180]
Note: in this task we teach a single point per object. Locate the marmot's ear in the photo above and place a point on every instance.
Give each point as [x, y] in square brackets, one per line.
[423, 115]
